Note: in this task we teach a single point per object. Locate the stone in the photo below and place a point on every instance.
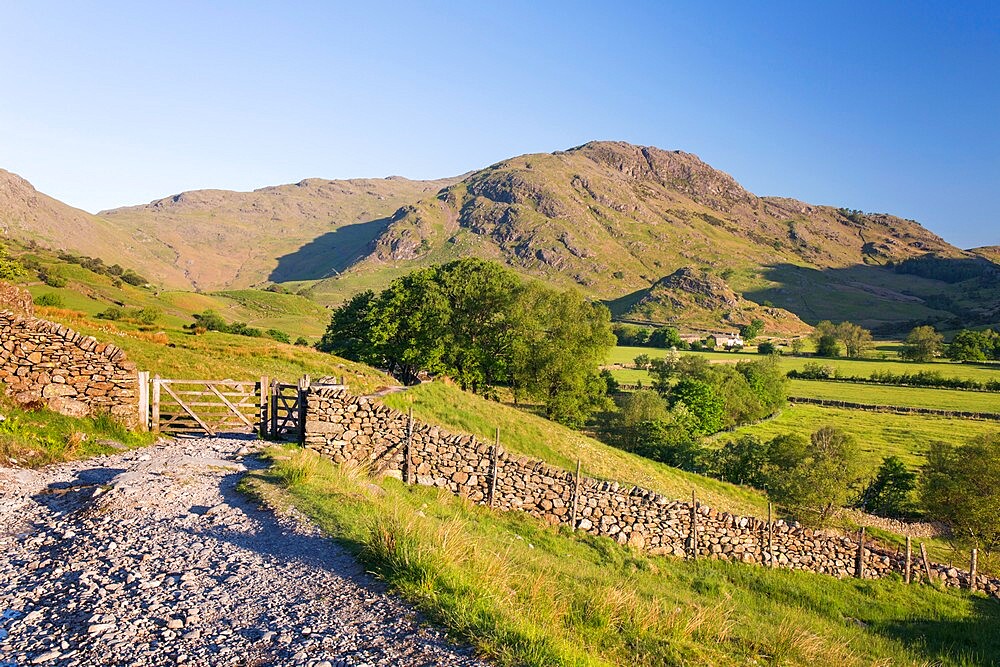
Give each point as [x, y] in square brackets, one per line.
[68, 406]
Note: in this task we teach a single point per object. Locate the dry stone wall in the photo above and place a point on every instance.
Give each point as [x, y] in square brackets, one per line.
[348, 428]
[45, 362]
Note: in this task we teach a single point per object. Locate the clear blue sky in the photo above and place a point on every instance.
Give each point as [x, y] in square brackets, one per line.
[890, 107]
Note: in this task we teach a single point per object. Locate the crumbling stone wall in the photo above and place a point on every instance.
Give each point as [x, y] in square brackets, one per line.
[71, 373]
[348, 428]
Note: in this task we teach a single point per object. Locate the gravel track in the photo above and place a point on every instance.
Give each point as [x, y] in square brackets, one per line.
[150, 557]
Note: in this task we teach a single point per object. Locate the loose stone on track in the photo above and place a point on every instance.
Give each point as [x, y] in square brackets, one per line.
[151, 557]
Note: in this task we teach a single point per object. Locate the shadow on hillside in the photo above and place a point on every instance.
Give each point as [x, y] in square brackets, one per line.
[328, 254]
[878, 297]
[973, 641]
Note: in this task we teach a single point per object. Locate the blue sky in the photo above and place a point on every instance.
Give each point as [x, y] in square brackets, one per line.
[890, 107]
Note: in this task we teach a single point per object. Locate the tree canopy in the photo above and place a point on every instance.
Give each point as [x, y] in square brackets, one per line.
[922, 344]
[484, 326]
[960, 485]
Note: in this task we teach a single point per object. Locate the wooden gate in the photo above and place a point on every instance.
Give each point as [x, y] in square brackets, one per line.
[208, 406]
[288, 410]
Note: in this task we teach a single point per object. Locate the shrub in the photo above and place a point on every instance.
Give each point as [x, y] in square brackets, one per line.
[52, 278]
[113, 313]
[278, 335]
[767, 348]
[49, 299]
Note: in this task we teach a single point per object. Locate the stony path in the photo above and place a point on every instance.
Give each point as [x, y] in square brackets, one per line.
[150, 557]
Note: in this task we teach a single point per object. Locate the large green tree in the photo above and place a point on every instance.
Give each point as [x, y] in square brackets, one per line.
[856, 339]
[922, 344]
[960, 485]
[890, 493]
[481, 324]
[814, 478]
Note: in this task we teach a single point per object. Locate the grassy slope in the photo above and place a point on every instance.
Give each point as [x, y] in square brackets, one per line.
[217, 356]
[93, 293]
[450, 407]
[529, 594]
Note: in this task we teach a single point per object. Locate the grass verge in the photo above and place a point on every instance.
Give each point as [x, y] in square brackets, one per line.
[33, 438]
[528, 594]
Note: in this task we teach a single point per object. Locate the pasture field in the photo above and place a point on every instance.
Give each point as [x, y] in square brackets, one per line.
[846, 367]
[878, 434]
[916, 397]
[92, 293]
[525, 593]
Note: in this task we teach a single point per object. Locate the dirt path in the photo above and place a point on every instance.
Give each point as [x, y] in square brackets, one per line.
[150, 557]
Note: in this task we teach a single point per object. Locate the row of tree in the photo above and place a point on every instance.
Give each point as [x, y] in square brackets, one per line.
[485, 327]
[969, 345]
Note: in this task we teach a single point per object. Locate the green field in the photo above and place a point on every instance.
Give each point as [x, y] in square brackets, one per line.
[524, 593]
[847, 367]
[917, 397]
[879, 434]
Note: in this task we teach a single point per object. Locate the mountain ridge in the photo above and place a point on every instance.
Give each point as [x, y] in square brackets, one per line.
[608, 218]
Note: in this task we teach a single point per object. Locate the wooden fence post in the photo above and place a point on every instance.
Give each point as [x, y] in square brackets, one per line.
[265, 389]
[859, 563]
[407, 448]
[973, 584]
[576, 496]
[694, 526]
[927, 563]
[908, 572]
[154, 418]
[770, 538]
[494, 469]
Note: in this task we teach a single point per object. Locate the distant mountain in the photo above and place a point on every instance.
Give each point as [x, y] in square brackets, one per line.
[613, 220]
[223, 239]
[29, 215]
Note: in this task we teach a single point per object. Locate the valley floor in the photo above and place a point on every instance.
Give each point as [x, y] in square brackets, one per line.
[151, 557]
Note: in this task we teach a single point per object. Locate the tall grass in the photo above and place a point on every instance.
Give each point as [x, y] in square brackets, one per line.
[528, 594]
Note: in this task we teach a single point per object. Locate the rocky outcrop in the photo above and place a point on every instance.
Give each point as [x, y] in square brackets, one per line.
[361, 430]
[44, 363]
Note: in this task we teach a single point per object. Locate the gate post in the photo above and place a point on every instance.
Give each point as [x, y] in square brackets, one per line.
[303, 394]
[275, 390]
[263, 388]
[154, 419]
[143, 381]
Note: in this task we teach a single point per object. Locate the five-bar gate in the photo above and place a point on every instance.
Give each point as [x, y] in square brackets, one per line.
[275, 410]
